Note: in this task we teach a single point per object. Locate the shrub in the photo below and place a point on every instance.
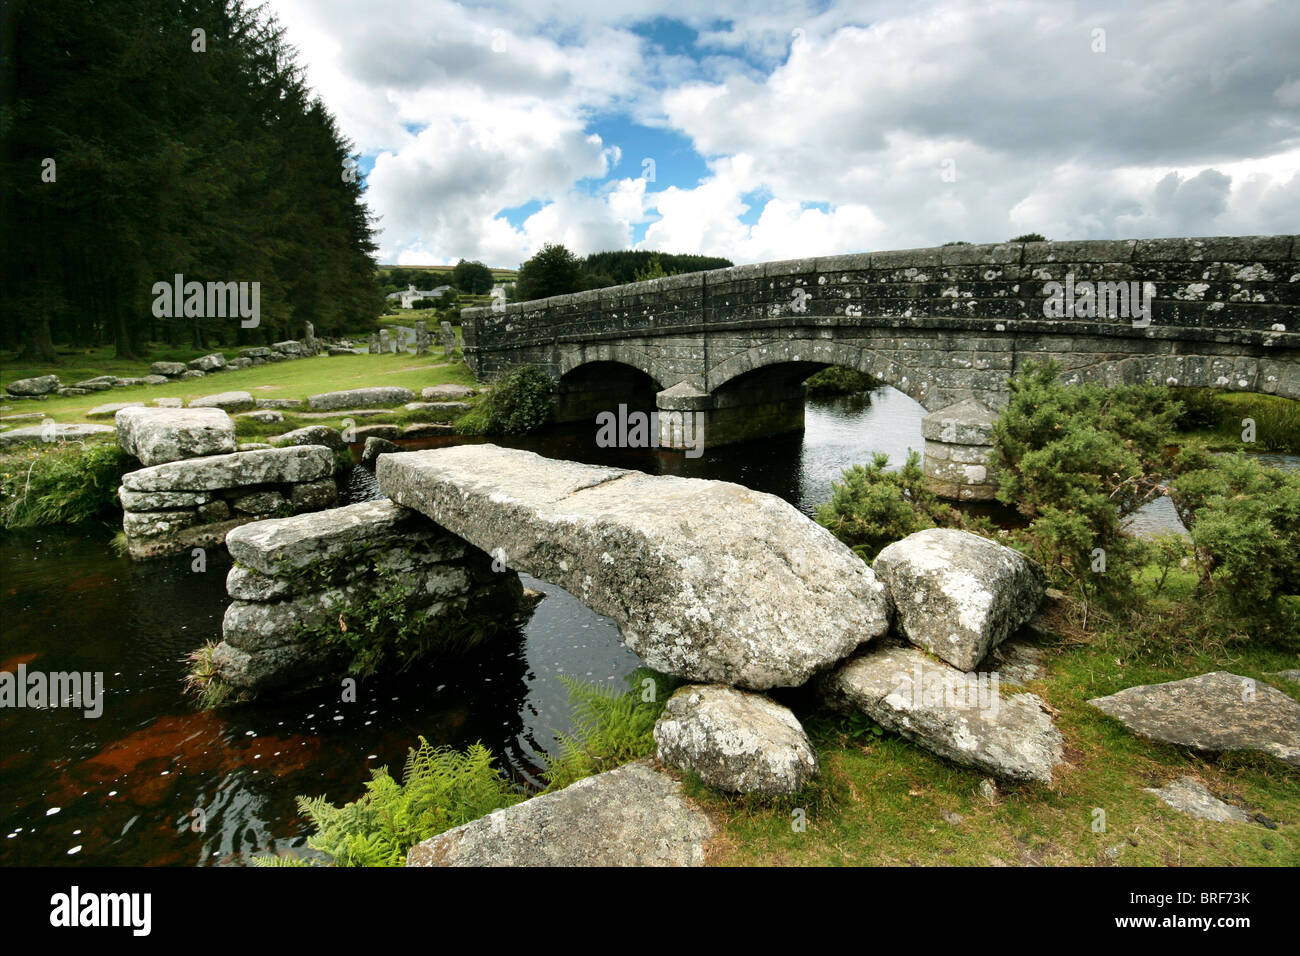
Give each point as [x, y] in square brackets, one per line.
[1244, 520]
[837, 380]
[871, 507]
[441, 788]
[1075, 460]
[519, 402]
[66, 484]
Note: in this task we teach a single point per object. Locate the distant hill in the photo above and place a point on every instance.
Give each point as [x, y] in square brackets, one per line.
[501, 275]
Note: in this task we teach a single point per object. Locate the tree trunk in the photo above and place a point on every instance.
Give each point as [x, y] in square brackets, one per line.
[37, 347]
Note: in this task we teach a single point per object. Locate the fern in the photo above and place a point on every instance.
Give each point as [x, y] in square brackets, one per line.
[610, 728]
[441, 788]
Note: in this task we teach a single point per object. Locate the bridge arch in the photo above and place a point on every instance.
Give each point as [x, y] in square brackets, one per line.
[879, 363]
[616, 353]
[587, 388]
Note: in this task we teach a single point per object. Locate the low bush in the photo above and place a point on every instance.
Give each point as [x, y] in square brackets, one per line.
[612, 727]
[871, 507]
[1075, 460]
[1244, 519]
[519, 402]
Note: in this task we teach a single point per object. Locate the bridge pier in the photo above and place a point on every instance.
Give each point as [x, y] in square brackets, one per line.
[959, 452]
[690, 418]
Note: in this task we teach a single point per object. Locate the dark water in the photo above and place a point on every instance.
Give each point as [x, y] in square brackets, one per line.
[152, 781]
[1159, 516]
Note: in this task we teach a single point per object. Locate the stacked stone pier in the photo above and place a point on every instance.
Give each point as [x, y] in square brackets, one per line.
[197, 485]
[300, 585]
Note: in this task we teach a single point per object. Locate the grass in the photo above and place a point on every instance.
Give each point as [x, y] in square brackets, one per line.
[1277, 423]
[297, 378]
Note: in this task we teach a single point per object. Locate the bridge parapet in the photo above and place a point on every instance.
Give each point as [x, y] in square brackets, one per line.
[1247, 288]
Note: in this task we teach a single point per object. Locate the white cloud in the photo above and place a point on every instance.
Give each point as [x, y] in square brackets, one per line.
[845, 114]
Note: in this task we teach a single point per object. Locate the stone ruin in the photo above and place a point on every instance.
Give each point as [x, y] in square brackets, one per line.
[196, 484]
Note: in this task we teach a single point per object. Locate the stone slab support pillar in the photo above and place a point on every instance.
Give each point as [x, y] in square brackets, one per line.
[959, 452]
[684, 413]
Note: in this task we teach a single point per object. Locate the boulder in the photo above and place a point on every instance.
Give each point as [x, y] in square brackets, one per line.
[290, 347]
[155, 524]
[956, 594]
[321, 435]
[214, 511]
[707, 580]
[362, 432]
[261, 467]
[340, 350]
[1188, 795]
[160, 500]
[245, 584]
[259, 502]
[313, 495]
[278, 403]
[388, 396]
[239, 362]
[192, 373]
[958, 716]
[1211, 713]
[112, 408]
[158, 435]
[446, 393]
[228, 401]
[345, 413]
[631, 816]
[213, 362]
[375, 447]
[445, 408]
[53, 433]
[101, 384]
[735, 741]
[255, 626]
[265, 416]
[61, 392]
[259, 351]
[427, 429]
[154, 380]
[167, 369]
[41, 385]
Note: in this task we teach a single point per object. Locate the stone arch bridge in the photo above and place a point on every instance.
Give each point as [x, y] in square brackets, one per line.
[723, 354]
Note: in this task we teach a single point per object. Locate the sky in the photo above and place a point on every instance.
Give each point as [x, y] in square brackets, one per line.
[761, 131]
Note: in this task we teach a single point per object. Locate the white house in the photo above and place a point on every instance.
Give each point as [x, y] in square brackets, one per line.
[411, 293]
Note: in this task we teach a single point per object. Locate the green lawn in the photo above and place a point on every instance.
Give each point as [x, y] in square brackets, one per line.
[297, 378]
